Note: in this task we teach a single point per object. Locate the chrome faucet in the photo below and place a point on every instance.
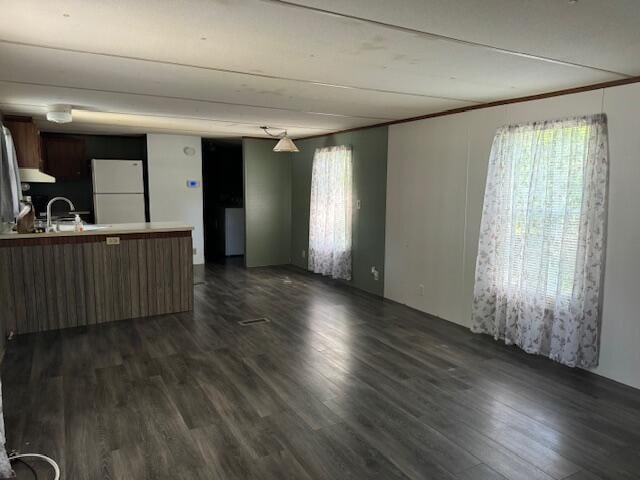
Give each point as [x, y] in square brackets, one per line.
[50, 227]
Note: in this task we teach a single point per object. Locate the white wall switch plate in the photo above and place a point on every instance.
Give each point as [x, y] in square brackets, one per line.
[375, 273]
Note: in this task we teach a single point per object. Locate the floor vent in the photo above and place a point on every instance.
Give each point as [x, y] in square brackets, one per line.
[253, 321]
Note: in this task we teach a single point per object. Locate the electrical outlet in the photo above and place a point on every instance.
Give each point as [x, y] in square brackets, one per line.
[421, 290]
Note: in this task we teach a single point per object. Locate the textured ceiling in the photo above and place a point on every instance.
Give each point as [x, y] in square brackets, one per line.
[222, 68]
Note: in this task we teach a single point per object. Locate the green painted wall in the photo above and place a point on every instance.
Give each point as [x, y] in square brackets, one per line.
[267, 201]
[369, 148]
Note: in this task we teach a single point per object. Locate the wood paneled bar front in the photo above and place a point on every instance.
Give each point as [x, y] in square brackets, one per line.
[113, 272]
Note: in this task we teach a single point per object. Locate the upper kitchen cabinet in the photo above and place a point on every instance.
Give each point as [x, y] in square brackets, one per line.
[26, 139]
[65, 156]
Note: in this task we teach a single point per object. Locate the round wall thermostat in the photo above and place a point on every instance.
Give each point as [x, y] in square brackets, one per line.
[189, 151]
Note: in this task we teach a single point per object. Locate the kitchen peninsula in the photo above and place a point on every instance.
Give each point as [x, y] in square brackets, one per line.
[64, 279]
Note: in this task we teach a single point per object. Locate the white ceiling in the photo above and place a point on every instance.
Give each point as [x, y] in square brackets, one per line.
[222, 68]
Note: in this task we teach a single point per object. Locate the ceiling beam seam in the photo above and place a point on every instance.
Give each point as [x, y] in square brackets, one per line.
[319, 83]
[200, 100]
[436, 36]
[176, 117]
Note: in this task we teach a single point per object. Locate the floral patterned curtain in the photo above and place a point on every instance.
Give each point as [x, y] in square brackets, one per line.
[539, 269]
[5, 465]
[330, 213]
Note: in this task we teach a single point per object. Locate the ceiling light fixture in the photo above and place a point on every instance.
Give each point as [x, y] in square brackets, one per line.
[59, 114]
[285, 144]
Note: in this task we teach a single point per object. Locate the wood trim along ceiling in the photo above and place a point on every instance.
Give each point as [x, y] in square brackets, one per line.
[496, 103]
[628, 79]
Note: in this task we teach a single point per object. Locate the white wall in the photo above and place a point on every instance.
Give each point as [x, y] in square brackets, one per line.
[435, 189]
[169, 197]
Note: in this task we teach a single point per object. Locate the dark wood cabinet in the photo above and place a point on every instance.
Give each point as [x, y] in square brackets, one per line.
[71, 281]
[65, 156]
[26, 140]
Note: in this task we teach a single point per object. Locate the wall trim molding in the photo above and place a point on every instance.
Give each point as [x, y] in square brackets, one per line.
[495, 103]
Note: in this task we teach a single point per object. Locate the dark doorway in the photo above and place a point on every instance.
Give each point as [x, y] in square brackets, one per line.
[223, 197]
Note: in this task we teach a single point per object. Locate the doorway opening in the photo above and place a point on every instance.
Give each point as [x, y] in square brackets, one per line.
[223, 196]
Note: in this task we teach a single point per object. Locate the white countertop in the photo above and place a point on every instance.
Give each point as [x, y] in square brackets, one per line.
[113, 229]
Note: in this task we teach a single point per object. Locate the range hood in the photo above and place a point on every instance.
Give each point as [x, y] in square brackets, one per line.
[33, 175]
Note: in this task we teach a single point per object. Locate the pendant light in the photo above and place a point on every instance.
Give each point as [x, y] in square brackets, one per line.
[285, 144]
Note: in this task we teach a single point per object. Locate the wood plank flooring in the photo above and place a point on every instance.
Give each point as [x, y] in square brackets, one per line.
[338, 385]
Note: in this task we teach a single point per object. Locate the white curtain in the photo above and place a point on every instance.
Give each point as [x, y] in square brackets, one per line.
[5, 466]
[330, 212]
[541, 248]
[10, 191]
[10, 195]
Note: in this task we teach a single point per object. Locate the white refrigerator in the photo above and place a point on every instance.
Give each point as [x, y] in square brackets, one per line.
[118, 191]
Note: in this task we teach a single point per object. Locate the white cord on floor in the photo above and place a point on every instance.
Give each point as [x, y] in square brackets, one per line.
[50, 461]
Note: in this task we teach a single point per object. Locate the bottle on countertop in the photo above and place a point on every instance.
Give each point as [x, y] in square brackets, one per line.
[26, 219]
[77, 224]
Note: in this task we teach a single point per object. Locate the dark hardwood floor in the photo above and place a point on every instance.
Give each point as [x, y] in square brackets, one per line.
[337, 385]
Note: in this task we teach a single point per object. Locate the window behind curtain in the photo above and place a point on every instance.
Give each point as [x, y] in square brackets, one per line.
[541, 248]
[545, 201]
[330, 213]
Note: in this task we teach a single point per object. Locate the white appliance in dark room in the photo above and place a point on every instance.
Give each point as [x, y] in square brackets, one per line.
[118, 191]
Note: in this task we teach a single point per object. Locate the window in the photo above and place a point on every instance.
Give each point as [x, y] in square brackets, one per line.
[330, 212]
[545, 202]
[541, 245]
